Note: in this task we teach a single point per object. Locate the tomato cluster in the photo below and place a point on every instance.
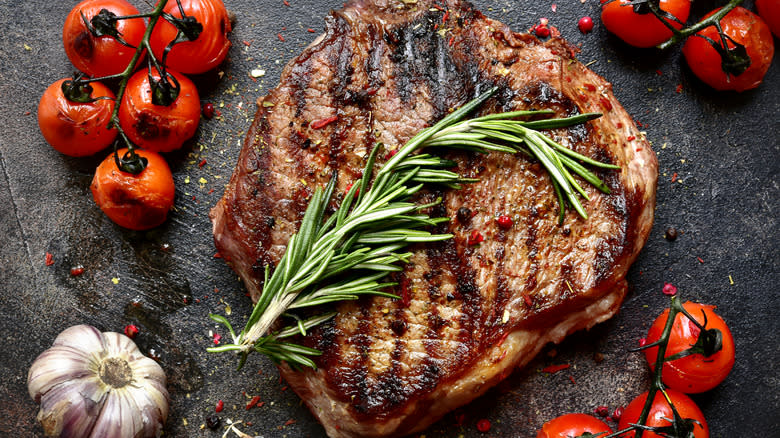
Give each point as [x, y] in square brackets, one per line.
[156, 108]
[735, 59]
[698, 355]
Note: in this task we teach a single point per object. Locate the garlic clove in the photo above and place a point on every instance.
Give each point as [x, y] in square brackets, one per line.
[81, 338]
[71, 408]
[55, 366]
[117, 418]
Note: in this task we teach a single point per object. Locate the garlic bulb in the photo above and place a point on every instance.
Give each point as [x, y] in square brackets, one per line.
[93, 384]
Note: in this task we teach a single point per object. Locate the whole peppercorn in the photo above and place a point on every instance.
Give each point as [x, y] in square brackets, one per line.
[670, 234]
[464, 215]
[208, 110]
[213, 421]
[585, 24]
[505, 222]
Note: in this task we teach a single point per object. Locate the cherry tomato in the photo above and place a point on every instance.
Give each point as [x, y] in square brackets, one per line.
[137, 202]
[573, 425]
[697, 372]
[205, 52]
[101, 55]
[660, 413]
[159, 128]
[769, 10]
[745, 28]
[642, 29]
[74, 128]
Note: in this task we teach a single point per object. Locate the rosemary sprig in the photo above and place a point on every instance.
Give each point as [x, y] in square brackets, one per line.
[348, 254]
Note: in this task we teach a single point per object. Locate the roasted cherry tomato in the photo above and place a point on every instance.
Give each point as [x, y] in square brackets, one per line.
[94, 50]
[696, 372]
[573, 425]
[159, 128]
[769, 10]
[637, 26]
[661, 413]
[74, 128]
[137, 202]
[207, 50]
[743, 27]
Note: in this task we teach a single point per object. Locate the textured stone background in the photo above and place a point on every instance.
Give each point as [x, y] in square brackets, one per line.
[722, 146]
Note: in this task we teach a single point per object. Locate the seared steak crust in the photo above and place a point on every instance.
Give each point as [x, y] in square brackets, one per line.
[469, 313]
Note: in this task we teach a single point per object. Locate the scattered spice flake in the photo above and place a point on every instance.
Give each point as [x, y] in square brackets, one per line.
[700, 260]
[76, 271]
[115, 280]
[202, 163]
[527, 299]
[475, 237]
[669, 289]
[319, 124]
[289, 422]
[219, 407]
[252, 403]
[217, 255]
[631, 138]
[257, 73]
[49, 259]
[642, 342]
[679, 89]
[483, 425]
[131, 331]
[310, 30]
[555, 368]
[601, 411]
[286, 3]
[731, 280]
[674, 177]
[573, 382]
[217, 337]
[202, 181]
[281, 38]
[554, 7]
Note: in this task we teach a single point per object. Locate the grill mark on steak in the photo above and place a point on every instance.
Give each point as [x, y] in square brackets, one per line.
[388, 367]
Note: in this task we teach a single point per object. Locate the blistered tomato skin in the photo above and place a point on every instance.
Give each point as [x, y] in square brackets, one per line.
[103, 55]
[661, 412]
[642, 30]
[694, 373]
[159, 128]
[208, 50]
[137, 202]
[73, 128]
[572, 425]
[745, 28]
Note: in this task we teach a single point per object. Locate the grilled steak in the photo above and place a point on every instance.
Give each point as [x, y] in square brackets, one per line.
[469, 313]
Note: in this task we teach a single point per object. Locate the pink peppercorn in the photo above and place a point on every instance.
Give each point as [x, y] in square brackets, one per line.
[483, 425]
[131, 331]
[505, 222]
[585, 24]
[669, 289]
[208, 111]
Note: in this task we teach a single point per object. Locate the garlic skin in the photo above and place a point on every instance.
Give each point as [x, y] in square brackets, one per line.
[98, 385]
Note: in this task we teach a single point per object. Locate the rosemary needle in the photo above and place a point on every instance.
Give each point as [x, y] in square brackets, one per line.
[349, 253]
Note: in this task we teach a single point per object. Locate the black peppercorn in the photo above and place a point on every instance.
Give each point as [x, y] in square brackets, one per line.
[464, 215]
[213, 421]
[670, 234]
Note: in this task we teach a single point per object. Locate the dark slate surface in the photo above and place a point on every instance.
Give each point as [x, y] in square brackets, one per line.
[722, 146]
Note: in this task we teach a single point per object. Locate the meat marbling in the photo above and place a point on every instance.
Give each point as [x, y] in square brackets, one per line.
[469, 314]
